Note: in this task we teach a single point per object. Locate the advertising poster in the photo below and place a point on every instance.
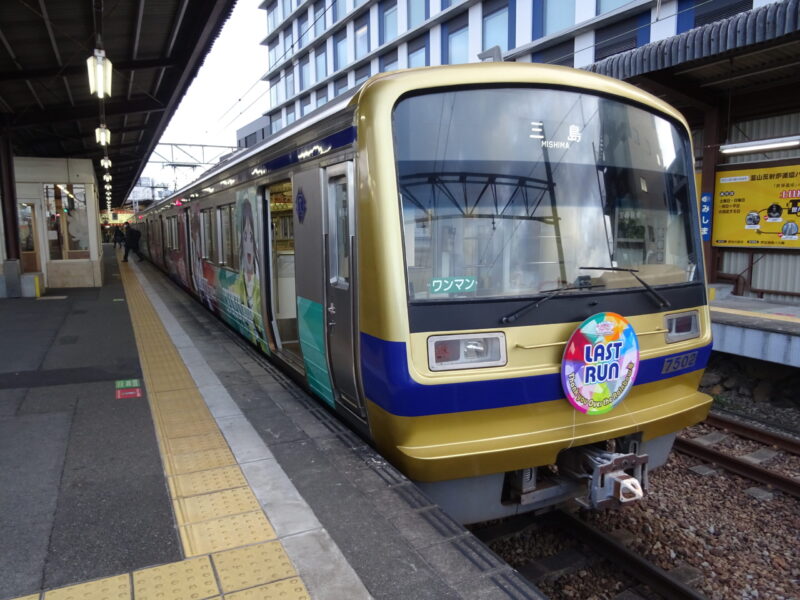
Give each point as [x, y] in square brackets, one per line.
[757, 208]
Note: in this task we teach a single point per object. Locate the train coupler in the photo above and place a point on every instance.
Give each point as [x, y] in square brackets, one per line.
[612, 478]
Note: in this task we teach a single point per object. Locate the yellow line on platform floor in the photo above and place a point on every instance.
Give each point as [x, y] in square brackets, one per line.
[754, 314]
[230, 545]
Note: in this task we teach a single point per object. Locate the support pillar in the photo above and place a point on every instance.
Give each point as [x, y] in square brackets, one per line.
[8, 189]
[711, 143]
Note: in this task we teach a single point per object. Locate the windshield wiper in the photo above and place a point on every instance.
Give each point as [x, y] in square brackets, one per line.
[662, 302]
[548, 295]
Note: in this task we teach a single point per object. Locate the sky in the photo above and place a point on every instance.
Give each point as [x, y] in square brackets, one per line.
[226, 94]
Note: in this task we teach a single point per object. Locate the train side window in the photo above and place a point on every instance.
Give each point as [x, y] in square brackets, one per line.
[339, 220]
[228, 236]
[209, 234]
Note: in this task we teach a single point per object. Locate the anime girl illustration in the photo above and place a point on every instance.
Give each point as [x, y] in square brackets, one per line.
[249, 284]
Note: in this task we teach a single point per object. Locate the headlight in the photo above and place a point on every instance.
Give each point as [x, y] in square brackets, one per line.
[448, 352]
[682, 326]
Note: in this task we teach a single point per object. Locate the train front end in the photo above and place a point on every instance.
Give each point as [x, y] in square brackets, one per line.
[533, 313]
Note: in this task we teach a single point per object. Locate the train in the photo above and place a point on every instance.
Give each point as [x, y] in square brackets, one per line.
[493, 272]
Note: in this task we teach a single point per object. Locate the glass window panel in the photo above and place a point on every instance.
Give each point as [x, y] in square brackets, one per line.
[337, 9]
[604, 6]
[417, 59]
[272, 17]
[321, 61]
[340, 85]
[288, 41]
[274, 87]
[362, 74]
[340, 51]
[305, 106]
[558, 15]
[289, 83]
[274, 52]
[389, 61]
[305, 74]
[458, 47]
[340, 263]
[319, 18]
[290, 115]
[362, 37]
[389, 23]
[287, 8]
[303, 31]
[495, 29]
[562, 166]
[417, 12]
[209, 235]
[322, 96]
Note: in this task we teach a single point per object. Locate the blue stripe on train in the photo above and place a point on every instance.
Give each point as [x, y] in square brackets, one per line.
[388, 383]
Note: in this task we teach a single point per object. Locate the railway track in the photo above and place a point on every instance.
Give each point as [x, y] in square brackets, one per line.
[739, 465]
[601, 546]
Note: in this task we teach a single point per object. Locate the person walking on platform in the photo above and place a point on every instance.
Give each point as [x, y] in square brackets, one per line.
[117, 237]
[132, 242]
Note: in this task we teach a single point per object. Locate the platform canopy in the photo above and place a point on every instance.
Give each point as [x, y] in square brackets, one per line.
[156, 48]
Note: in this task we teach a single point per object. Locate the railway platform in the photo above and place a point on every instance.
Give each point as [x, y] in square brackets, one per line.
[755, 328]
[146, 452]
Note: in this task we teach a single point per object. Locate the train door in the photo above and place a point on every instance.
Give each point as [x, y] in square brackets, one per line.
[187, 247]
[339, 232]
[281, 258]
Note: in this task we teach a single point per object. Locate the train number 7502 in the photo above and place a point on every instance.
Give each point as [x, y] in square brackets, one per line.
[680, 362]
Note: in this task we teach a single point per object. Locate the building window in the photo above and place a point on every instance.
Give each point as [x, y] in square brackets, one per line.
[362, 36]
[340, 50]
[446, 4]
[305, 73]
[288, 41]
[290, 114]
[562, 54]
[455, 41]
[708, 12]
[229, 237]
[322, 96]
[604, 6]
[418, 54]
[388, 21]
[289, 83]
[558, 16]
[275, 122]
[274, 92]
[418, 12]
[209, 234]
[305, 106]
[319, 18]
[362, 74]
[338, 9]
[321, 62]
[303, 32]
[272, 17]
[67, 221]
[287, 8]
[496, 30]
[340, 86]
[274, 52]
[389, 61]
[622, 36]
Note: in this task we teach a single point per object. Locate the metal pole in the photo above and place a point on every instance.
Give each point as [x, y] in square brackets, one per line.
[8, 188]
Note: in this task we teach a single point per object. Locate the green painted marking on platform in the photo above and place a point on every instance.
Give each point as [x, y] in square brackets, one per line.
[127, 383]
[119, 299]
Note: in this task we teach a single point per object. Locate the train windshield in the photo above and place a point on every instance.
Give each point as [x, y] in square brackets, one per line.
[510, 192]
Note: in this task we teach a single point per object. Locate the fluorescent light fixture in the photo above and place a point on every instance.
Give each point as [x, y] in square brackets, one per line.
[105, 163]
[782, 143]
[107, 177]
[99, 68]
[108, 187]
[102, 135]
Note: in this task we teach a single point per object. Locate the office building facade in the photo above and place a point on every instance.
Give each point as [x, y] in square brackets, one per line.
[320, 49]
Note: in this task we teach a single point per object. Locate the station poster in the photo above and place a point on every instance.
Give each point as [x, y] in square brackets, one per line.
[757, 208]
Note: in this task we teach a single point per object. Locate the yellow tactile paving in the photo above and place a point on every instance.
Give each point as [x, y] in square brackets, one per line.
[189, 579]
[204, 482]
[215, 504]
[253, 565]
[197, 443]
[226, 533]
[110, 588]
[218, 515]
[290, 589]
